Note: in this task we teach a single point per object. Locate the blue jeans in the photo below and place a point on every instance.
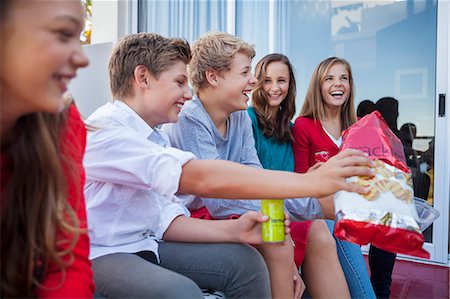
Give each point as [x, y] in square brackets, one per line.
[354, 267]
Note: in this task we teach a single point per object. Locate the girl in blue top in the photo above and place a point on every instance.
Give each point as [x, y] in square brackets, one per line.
[273, 106]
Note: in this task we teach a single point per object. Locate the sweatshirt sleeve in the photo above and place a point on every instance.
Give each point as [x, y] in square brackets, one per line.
[118, 155]
[301, 209]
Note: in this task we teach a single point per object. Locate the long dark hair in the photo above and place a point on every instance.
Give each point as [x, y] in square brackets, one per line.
[279, 128]
[39, 228]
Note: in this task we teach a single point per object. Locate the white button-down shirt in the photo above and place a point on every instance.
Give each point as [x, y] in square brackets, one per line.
[132, 175]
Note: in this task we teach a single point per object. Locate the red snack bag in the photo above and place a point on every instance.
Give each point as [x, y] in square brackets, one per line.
[386, 216]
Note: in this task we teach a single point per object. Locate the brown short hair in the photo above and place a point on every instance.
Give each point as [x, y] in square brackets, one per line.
[214, 51]
[155, 52]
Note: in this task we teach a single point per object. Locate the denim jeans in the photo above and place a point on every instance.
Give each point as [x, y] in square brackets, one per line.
[354, 267]
[237, 270]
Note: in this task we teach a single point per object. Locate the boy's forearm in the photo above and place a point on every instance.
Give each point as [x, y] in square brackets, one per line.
[207, 178]
[185, 229]
[214, 178]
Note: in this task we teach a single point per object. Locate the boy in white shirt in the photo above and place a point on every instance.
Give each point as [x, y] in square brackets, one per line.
[133, 176]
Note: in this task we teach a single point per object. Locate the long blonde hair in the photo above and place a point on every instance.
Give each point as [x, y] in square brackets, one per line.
[313, 105]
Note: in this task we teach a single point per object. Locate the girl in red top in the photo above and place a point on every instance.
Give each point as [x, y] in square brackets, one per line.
[44, 245]
[328, 110]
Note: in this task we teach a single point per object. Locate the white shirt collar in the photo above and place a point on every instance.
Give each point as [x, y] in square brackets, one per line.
[133, 120]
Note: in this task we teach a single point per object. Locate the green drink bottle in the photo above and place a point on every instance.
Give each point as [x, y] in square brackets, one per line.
[273, 229]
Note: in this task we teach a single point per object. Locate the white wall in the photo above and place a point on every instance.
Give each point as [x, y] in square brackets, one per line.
[105, 16]
[90, 88]
[113, 19]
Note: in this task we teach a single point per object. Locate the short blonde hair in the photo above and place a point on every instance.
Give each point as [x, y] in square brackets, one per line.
[214, 51]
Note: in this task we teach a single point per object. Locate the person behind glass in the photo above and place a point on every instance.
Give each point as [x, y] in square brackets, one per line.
[44, 241]
[408, 132]
[143, 244]
[328, 109]
[273, 106]
[416, 161]
[388, 108]
[365, 107]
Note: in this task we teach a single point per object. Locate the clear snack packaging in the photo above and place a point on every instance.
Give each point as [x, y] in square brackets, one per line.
[386, 216]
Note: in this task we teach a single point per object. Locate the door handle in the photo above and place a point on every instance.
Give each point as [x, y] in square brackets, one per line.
[441, 107]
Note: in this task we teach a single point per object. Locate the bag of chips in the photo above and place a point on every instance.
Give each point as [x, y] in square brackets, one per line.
[386, 216]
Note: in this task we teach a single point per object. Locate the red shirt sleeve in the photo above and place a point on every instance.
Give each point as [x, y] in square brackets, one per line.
[77, 280]
[302, 144]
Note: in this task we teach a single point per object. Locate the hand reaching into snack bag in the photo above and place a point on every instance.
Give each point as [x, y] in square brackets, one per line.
[384, 216]
[333, 173]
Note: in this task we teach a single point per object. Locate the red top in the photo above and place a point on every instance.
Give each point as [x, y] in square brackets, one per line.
[311, 144]
[78, 282]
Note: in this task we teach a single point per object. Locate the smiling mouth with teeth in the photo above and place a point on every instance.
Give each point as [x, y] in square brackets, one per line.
[62, 81]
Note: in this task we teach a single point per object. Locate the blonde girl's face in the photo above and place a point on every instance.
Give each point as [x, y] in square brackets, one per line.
[335, 86]
[276, 83]
[40, 54]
